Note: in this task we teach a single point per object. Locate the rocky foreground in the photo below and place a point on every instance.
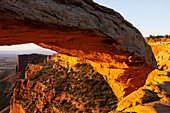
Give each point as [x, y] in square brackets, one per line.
[55, 86]
[71, 84]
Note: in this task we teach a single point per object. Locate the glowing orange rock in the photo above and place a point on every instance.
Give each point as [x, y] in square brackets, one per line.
[152, 97]
[84, 29]
[111, 72]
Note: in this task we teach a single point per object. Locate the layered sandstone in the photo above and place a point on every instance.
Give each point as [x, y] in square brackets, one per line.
[31, 69]
[109, 72]
[83, 29]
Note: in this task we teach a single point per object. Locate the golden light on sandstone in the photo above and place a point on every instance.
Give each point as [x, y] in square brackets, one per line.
[89, 33]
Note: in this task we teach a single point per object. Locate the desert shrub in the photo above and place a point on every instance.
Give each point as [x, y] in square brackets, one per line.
[63, 101]
[82, 84]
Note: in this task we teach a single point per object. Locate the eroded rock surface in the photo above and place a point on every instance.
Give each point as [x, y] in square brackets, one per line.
[31, 69]
[154, 96]
[84, 29]
[161, 50]
[9, 78]
[24, 60]
[60, 88]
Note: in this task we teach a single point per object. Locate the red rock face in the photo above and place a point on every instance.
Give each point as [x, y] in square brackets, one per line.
[24, 60]
[84, 29]
[19, 32]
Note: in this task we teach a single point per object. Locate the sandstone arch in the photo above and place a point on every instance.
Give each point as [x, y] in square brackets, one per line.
[84, 29]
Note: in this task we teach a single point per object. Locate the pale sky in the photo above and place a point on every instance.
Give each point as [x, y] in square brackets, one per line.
[149, 16]
[25, 49]
[22, 47]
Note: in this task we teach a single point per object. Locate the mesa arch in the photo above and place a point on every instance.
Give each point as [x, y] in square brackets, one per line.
[84, 29]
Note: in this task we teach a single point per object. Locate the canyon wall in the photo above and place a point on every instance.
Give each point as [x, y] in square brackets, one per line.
[82, 29]
[153, 96]
[8, 83]
[24, 60]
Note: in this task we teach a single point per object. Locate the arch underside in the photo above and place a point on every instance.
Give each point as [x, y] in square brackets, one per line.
[85, 44]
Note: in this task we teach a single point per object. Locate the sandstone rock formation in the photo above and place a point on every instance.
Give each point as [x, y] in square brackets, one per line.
[9, 78]
[153, 97]
[161, 50]
[84, 29]
[31, 69]
[24, 60]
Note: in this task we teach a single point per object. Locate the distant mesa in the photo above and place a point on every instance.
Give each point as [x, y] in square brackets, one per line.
[24, 60]
[9, 77]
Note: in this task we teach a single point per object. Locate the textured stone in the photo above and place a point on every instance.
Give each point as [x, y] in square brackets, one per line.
[24, 60]
[16, 108]
[161, 51]
[110, 74]
[31, 69]
[83, 29]
[109, 26]
[153, 96]
[57, 89]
